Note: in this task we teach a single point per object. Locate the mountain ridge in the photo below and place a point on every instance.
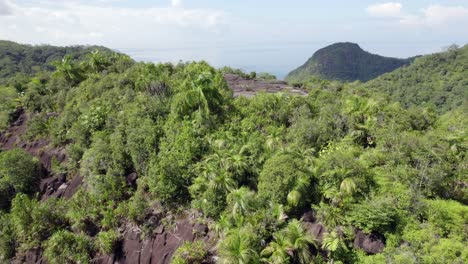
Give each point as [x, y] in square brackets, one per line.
[345, 61]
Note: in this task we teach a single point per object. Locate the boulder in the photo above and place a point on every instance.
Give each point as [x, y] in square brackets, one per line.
[371, 243]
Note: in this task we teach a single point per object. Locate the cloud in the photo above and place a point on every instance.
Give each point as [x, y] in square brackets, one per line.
[438, 15]
[433, 16]
[85, 22]
[385, 10]
[176, 2]
[5, 8]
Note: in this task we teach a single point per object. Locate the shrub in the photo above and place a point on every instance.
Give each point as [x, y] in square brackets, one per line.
[279, 177]
[191, 253]
[19, 173]
[68, 247]
[7, 105]
[106, 241]
[7, 239]
[33, 221]
[374, 215]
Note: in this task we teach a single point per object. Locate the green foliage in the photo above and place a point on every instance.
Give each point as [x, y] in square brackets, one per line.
[377, 215]
[170, 172]
[191, 253]
[106, 241]
[7, 238]
[162, 138]
[291, 245]
[447, 217]
[19, 173]
[33, 221]
[16, 58]
[239, 246]
[437, 81]
[279, 177]
[66, 247]
[8, 103]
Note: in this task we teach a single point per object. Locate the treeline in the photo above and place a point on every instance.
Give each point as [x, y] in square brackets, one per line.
[18, 59]
[354, 159]
[438, 81]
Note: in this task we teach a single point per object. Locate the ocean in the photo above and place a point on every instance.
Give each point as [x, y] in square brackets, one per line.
[275, 58]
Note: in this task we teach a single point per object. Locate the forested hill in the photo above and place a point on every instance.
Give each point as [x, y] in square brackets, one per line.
[345, 62]
[18, 58]
[109, 160]
[439, 81]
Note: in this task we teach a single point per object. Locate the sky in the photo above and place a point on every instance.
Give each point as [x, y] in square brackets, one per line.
[261, 35]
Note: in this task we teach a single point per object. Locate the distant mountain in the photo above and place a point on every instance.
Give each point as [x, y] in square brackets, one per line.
[345, 62]
[27, 59]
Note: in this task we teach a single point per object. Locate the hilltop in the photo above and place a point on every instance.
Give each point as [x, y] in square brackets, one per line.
[438, 80]
[18, 58]
[345, 62]
[108, 160]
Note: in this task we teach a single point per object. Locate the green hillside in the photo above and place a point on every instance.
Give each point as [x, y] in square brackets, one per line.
[107, 160]
[439, 81]
[345, 62]
[27, 59]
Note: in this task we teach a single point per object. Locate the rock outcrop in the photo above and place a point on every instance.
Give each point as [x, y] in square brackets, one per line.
[250, 87]
[371, 243]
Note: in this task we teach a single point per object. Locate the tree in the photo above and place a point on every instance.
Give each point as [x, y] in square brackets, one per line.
[33, 221]
[279, 177]
[333, 244]
[68, 70]
[202, 96]
[97, 62]
[67, 247]
[291, 243]
[278, 251]
[241, 201]
[191, 253]
[238, 247]
[19, 173]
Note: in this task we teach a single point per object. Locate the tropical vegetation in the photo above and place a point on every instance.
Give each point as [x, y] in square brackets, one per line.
[349, 154]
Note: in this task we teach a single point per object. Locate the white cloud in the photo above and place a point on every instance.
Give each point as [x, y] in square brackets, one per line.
[385, 10]
[432, 17]
[176, 2]
[79, 22]
[437, 16]
[5, 8]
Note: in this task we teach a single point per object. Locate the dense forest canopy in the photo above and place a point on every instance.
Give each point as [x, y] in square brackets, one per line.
[437, 81]
[18, 59]
[277, 178]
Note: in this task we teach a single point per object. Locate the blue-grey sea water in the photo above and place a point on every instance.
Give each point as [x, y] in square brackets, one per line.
[275, 58]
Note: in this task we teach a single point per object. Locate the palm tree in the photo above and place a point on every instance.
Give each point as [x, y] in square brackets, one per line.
[362, 113]
[67, 69]
[332, 243]
[241, 201]
[301, 186]
[275, 138]
[238, 248]
[222, 225]
[277, 210]
[202, 94]
[238, 162]
[293, 198]
[221, 181]
[278, 251]
[292, 242]
[348, 186]
[300, 240]
[97, 62]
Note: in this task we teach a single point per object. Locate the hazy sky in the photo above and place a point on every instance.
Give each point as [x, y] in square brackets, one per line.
[209, 29]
